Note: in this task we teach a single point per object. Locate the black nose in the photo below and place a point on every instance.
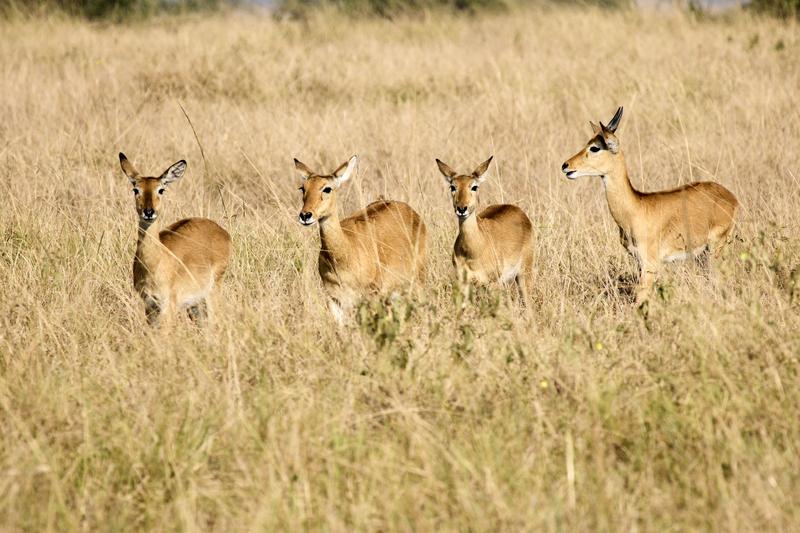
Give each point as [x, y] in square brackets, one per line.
[149, 212]
[461, 210]
[564, 166]
[305, 217]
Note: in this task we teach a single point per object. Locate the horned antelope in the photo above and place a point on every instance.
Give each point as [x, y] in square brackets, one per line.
[378, 249]
[178, 267]
[655, 227]
[495, 244]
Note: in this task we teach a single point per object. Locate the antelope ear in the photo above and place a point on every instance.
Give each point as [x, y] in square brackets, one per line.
[345, 171]
[173, 173]
[446, 171]
[128, 168]
[596, 129]
[304, 170]
[614, 123]
[612, 143]
[482, 168]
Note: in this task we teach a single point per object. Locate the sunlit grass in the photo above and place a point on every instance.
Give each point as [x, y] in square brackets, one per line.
[584, 415]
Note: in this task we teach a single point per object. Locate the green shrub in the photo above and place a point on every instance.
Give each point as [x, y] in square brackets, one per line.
[391, 8]
[384, 8]
[120, 10]
[107, 9]
[781, 8]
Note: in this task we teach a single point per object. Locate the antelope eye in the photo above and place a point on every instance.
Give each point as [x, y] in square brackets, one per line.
[594, 149]
[326, 190]
[136, 192]
[474, 187]
[452, 188]
[160, 191]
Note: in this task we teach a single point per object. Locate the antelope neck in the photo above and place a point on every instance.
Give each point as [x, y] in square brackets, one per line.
[148, 245]
[331, 236]
[622, 198]
[470, 231]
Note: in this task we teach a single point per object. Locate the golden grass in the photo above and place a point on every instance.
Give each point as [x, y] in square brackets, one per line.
[585, 416]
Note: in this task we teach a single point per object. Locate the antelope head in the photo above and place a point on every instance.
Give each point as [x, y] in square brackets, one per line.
[599, 155]
[319, 190]
[148, 190]
[464, 187]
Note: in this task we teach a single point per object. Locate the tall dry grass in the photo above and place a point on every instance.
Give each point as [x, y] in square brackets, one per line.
[586, 415]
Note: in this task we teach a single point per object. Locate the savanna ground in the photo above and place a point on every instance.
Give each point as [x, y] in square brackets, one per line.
[584, 415]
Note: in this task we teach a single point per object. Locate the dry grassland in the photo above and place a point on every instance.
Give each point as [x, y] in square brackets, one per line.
[584, 416]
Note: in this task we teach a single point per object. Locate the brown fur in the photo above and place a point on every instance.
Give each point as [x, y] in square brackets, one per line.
[178, 267]
[379, 249]
[660, 226]
[493, 245]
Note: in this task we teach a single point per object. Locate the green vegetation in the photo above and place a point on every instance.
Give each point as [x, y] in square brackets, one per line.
[785, 9]
[387, 8]
[121, 10]
[108, 9]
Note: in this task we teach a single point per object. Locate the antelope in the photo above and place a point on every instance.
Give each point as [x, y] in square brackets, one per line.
[178, 267]
[655, 227]
[378, 249]
[495, 244]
